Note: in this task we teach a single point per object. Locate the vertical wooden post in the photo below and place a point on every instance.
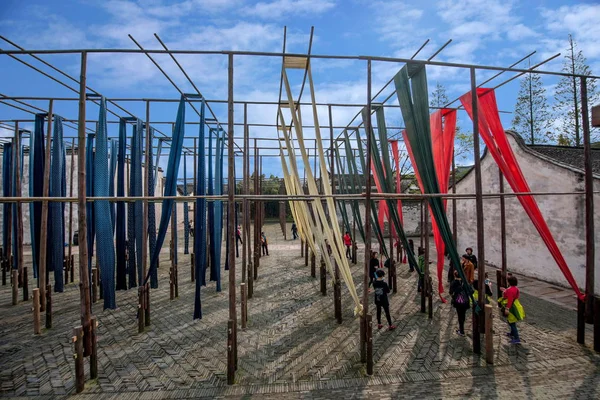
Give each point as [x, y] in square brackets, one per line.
[67, 268]
[36, 312]
[337, 294]
[25, 284]
[301, 247]
[354, 245]
[425, 247]
[489, 335]
[193, 265]
[365, 298]
[589, 207]
[323, 273]
[146, 187]
[479, 214]
[15, 287]
[94, 353]
[369, 334]
[141, 313]
[84, 282]
[597, 324]
[72, 268]
[502, 229]
[230, 358]
[94, 285]
[231, 223]
[48, 306]
[499, 283]
[244, 305]
[313, 267]
[306, 253]
[580, 321]
[78, 356]
[19, 205]
[70, 240]
[256, 213]
[195, 184]
[44, 215]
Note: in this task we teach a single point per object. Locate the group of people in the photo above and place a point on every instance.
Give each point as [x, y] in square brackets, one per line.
[509, 302]
[264, 244]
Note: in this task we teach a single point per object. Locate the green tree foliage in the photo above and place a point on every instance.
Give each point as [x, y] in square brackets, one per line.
[270, 186]
[532, 118]
[568, 96]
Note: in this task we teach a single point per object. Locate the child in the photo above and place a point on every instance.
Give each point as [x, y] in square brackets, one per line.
[263, 241]
[381, 299]
[294, 231]
[348, 244]
[512, 308]
[460, 301]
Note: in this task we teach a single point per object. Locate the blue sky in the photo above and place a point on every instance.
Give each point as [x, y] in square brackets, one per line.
[483, 32]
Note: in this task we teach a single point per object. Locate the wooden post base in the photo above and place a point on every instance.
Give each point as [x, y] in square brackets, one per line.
[94, 354]
[78, 356]
[369, 323]
[48, 306]
[323, 274]
[15, 287]
[36, 312]
[141, 309]
[244, 305]
[580, 322]
[489, 336]
[230, 353]
[147, 305]
[313, 265]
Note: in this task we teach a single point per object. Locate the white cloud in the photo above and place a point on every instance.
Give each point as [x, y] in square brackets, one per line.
[581, 21]
[286, 8]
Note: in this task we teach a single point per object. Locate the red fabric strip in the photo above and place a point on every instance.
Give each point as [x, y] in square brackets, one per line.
[492, 132]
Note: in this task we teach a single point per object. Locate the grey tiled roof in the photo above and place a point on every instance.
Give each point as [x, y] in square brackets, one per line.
[572, 156]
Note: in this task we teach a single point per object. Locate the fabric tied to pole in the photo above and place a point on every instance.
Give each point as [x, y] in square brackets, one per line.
[121, 216]
[152, 212]
[492, 132]
[186, 217]
[102, 208]
[200, 219]
[170, 189]
[6, 192]
[414, 103]
[89, 207]
[37, 158]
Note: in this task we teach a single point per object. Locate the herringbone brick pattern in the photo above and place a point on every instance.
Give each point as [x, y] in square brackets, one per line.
[292, 348]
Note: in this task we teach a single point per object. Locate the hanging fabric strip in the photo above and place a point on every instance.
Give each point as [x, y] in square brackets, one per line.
[170, 184]
[136, 155]
[343, 189]
[56, 248]
[121, 217]
[492, 132]
[111, 180]
[200, 218]
[131, 258]
[218, 218]
[89, 207]
[443, 128]
[152, 211]
[414, 103]
[388, 182]
[102, 208]
[363, 163]
[396, 154]
[37, 158]
[186, 217]
[356, 184]
[211, 207]
[6, 192]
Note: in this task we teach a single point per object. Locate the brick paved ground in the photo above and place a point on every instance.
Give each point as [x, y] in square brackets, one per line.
[292, 348]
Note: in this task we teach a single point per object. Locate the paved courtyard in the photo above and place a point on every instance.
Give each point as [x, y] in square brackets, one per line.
[293, 347]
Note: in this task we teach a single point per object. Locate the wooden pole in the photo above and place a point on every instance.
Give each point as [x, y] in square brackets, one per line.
[94, 285]
[19, 221]
[479, 213]
[193, 256]
[141, 313]
[354, 244]
[590, 244]
[25, 284]
[71, 265]
[502, 281]
[313, 264]
[48, 306]
[94, 354]
[323, 273]
[256, 214]
[15, 287]
[369, 334]
[306, 254]
[78, 356]
[597, 324]
[231, 211]
[244, 305]
[42, 264]
[37, 329]
[580, 321]
[489, 335]
[230, 358]
[425, 246]
[337, 294]
[365, 298]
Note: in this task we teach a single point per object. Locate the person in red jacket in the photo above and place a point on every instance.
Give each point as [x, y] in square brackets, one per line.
[348, 244]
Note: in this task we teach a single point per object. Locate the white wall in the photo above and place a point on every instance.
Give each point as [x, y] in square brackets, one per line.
[526, 252]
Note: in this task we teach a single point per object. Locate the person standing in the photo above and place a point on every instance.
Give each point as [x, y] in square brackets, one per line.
[373, 267]
[471, 257]
[294, 231]
[468, 269]
[264, 244]
[460, 301]
[238, 235]
[381, 299]
[348, 244]
[512, 308]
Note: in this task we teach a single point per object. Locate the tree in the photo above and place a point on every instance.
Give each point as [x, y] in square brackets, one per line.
[568, 95]
[532, 119]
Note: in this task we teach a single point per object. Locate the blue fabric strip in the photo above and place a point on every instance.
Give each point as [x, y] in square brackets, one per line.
[136, 183]
[200, 219]
[111, 182]
[218, 218]
[211, 208]
[121, 213]
[152, 212]
[56, 246]
[102, 208]
[6, 192]
[89, 178]
[170, 183]
[36, 187]
[186, 217]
